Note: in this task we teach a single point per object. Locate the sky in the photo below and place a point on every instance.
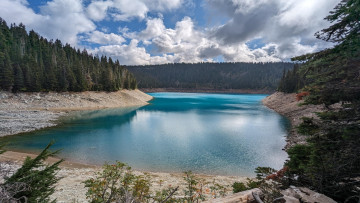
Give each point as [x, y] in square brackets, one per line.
[141, 32]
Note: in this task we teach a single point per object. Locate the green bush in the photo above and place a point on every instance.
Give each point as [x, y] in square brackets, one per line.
[36, 179]
[239, 187]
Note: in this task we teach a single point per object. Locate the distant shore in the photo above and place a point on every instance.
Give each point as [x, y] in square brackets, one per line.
[224, 91]
[25, 112]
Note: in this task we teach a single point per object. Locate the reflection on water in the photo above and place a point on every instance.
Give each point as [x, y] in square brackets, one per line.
[207, 133]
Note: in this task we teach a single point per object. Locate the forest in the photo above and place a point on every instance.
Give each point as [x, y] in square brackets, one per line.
[31, 63]
[211, 76]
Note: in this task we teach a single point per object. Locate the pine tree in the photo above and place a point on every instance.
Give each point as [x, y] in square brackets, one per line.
[40, 177]
[6, 74]
[19, 79]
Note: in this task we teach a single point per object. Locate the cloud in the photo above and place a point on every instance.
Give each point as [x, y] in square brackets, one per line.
[183, 43]
[284, 27]
[97, 10]
[65, 19]
[290, 24]
[126, 10]
[102, 38]
[131, 54]
[58, 19]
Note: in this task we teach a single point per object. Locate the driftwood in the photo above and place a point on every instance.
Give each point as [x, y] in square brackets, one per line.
[257, 197]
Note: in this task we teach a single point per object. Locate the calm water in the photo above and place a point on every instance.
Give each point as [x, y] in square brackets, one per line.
[207, 133]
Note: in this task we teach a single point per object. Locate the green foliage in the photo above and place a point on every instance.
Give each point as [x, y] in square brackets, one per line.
[117, 183]
[330, 162]
[239, 187]
[291, 81]
[111, 184]
[190, 190]
[308, 126]
[31, 63]
[346, 15]
[248, 185]
[166, 194]
[211, 76]
[40, 177]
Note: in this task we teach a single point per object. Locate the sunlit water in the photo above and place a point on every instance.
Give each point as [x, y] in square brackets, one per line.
[226, 134]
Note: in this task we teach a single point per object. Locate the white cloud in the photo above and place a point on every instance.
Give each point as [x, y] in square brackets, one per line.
[97, 10]
[58, 19]
[65, 19]
[129, 9]
[154, 27]
[184, 43]
[102, 38]
[131, 54]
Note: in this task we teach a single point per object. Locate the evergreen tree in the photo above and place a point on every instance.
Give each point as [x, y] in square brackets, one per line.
[6, 73]
[40, 177]
[18, 80]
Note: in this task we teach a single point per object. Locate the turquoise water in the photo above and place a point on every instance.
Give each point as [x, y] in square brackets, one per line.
[224, 134]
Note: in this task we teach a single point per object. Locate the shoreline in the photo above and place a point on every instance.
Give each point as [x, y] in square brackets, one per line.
[72, 189]
[222, 91]
[26, 112]
[287, 105]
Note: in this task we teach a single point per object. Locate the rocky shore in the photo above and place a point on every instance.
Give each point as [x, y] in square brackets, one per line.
[288, 106]
[25, 112]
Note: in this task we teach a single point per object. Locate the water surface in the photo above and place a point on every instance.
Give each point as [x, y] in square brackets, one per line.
[221, 134]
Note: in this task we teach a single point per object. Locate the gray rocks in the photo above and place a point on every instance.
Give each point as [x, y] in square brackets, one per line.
[305, 195]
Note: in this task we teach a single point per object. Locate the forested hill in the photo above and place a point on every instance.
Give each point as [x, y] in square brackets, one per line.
[211, 76]
[29, 62]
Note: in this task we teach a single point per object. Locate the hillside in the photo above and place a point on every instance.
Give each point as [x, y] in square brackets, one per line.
[31, 63]
[211, 76]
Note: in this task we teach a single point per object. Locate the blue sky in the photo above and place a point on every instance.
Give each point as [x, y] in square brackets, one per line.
[170, 31]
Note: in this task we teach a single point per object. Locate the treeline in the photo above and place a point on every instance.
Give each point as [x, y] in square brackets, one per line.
[291, 81]
[215, 76]
[31, 63]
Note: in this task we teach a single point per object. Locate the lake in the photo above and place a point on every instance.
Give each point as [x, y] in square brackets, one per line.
[219, 134]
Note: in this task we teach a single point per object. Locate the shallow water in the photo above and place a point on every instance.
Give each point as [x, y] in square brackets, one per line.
[223, 134]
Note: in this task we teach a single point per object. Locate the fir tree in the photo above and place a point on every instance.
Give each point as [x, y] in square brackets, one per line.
[39, 177]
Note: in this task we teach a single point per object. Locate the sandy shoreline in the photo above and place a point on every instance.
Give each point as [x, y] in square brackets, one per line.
[71, 188]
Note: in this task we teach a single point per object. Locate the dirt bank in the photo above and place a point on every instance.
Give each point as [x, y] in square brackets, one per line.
[24, 112]
[288, 106]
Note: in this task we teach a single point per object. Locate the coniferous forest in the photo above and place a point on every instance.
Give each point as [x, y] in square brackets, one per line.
[213, 76]
[31, 63]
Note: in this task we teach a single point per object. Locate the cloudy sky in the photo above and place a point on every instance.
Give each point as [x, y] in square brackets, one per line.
[167, 31]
